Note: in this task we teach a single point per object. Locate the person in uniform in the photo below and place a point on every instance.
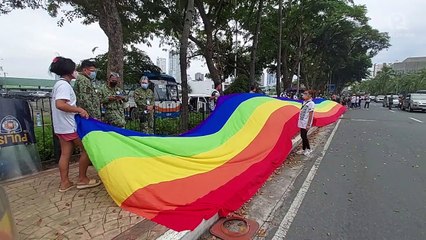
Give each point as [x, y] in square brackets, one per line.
[87, 97]
[144, 99]
[112, 97]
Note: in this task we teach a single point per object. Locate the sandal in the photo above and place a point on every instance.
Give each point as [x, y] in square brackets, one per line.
[90, 184]
[66, 189]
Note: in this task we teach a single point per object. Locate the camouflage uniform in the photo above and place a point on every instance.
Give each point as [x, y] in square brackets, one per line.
[114, 111]
[87, 98]
[143, 99]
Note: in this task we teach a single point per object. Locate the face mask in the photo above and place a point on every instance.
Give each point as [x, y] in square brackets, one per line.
[144, 85]
[113, 84]
[92, 75]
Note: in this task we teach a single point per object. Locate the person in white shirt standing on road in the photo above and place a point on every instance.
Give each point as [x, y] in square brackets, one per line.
[63, 111]
[305, 121]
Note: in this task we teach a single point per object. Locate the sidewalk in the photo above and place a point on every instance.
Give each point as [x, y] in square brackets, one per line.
[41, 212]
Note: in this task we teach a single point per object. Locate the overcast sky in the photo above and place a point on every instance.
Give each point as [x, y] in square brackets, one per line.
[30, 39]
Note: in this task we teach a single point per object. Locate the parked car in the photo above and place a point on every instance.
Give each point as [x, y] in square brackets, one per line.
[414, 102]
[40, 94]
[199, 102]
[395, 101]
[379, 98]
[3, 92]
[372, 98]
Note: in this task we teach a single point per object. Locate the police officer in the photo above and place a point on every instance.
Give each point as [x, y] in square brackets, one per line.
[87, 98]
[112, 98]
[144, 99]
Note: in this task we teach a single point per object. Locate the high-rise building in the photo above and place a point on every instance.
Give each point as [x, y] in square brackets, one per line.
[161, 63]
[271, 79]
[199, 76]
[410, 65]
[174, 66]
[377, 68]
[263, 80]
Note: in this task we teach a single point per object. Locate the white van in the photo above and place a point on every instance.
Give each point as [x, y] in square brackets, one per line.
[199, 102]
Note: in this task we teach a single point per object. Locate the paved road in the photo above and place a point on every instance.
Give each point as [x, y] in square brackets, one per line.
[371, 183]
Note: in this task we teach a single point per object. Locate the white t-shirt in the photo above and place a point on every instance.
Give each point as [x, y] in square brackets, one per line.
[367, 99]
[307, 107]
[353, 99]
[63, 122]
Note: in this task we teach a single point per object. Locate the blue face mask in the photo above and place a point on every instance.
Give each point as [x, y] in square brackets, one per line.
[144, 85]
[92, 75]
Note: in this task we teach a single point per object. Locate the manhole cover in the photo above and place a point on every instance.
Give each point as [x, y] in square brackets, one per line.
[235, 228]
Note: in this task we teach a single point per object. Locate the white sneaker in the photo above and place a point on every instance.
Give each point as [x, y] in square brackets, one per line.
[300, 152]
[307, 152]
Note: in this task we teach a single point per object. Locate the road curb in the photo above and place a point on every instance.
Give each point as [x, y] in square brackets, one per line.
[206, 224]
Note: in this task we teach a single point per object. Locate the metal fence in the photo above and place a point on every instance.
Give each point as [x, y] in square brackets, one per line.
[48, 144]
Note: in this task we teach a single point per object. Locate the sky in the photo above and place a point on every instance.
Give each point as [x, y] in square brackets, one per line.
[30, 39]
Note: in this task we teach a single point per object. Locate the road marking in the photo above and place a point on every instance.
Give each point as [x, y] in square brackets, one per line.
[362, 120]
[295, 205]
[417, 120]
[391, 111]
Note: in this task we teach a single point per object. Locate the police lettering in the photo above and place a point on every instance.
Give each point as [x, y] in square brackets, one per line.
[13, 139]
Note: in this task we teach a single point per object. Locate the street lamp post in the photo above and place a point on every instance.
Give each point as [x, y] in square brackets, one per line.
[299, 66]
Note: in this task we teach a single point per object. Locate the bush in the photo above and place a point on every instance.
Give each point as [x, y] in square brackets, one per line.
[240, 85]
[44, 142]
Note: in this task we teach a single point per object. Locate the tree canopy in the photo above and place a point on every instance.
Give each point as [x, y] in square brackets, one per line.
[330, 39]
[136, 62]
[388, 81]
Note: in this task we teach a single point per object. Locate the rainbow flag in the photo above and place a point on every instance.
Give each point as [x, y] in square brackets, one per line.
[214, 168]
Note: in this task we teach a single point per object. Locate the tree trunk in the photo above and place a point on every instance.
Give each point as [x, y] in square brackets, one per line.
[286, 78]
[280, 25]
[208, 54]
[208, 48]
[255, 43]
[110, 23]
[183, 63]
